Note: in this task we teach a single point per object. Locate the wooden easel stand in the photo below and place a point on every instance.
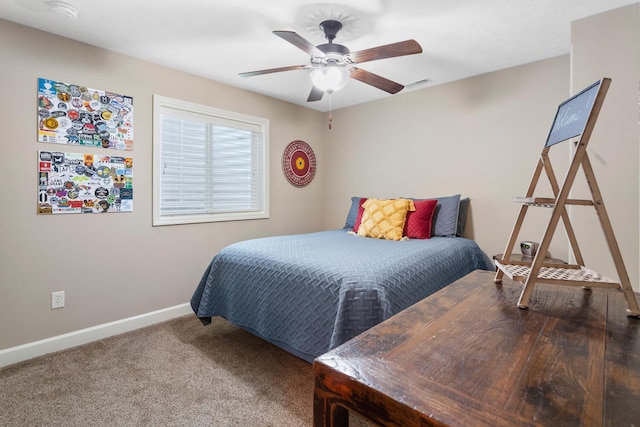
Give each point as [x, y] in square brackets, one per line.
[537, 271]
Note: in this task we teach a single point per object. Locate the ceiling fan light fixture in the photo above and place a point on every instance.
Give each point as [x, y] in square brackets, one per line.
[330, 79]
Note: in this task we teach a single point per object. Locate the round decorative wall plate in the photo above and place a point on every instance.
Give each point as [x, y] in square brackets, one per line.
[299, 163]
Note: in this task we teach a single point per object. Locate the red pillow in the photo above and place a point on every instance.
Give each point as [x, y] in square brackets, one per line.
[418, 224]
[356, 225]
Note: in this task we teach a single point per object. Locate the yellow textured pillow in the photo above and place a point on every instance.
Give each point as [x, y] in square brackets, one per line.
[384, 218]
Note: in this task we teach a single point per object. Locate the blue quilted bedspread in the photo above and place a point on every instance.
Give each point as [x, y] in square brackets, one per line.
[309, 293]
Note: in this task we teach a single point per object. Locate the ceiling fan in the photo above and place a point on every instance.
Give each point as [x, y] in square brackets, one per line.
[332, 64]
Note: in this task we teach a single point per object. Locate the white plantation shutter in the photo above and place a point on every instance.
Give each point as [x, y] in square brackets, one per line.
[209, 165]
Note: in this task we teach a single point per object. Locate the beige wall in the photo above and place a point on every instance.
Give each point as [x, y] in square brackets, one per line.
[608, 45]
[114, 266]
[479, 137]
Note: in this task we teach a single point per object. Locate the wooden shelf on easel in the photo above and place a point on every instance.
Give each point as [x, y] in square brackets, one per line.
[549, 202]
[557, 274]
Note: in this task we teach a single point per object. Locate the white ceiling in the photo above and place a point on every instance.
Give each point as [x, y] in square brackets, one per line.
[218, 39]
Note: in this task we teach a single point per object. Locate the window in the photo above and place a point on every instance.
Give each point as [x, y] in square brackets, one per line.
[208, 164]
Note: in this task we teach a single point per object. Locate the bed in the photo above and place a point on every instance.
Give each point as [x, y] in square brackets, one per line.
[309, 293]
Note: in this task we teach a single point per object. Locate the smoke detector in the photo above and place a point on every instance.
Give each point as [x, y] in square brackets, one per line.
[64, 9]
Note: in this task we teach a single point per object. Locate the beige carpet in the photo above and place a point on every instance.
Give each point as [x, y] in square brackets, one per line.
[178, 373]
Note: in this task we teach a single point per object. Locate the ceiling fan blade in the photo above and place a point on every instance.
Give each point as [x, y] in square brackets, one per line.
[300, 42]
[315, 94]
[407, 47]
[376, 81]
[273, 70]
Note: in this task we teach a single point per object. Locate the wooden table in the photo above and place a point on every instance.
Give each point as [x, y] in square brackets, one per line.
[467, 356]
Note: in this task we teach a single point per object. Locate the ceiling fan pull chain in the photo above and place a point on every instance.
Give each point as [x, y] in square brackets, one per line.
[330, 115]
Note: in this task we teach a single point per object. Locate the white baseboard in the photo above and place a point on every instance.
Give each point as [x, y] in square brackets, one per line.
[30, 350]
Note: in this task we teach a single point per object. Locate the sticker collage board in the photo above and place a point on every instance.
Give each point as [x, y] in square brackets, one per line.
[70, 182]
[84, 183]
[74, 114]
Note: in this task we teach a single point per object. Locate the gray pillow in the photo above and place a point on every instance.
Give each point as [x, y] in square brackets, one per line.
[445, 218]
[462, 216]
[353, 213]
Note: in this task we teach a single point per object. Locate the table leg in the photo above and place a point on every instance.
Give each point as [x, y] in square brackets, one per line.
[326, 412]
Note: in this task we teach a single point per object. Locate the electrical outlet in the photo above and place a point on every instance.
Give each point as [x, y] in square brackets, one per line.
[57, 299]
